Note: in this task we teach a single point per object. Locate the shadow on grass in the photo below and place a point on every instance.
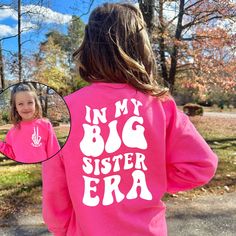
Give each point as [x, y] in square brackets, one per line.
[4, 131]
[62, 140]
[221, 182]
[222, 144]
[224, 140]
[28, 231]
[6, 162]
[2, 158]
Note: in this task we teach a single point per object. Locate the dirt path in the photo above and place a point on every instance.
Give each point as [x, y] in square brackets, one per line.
[25, 224]
[220, 114]
[203, 216]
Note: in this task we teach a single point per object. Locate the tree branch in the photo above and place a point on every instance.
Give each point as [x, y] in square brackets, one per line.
[9, 37]
[194, 4]
[12, 54]
[201, 20]
[89, 9]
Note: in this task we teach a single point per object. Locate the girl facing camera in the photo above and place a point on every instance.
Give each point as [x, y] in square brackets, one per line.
[32, 138]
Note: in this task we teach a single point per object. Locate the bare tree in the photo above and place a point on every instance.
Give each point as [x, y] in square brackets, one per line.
[19, 43]
[181, 27]
[17, 5]
[2, 69]
[148, 9]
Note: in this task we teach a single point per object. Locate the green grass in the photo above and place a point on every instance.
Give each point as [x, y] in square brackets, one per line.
[18, 175]
[3, 134]
[62, 134]
[18, 185]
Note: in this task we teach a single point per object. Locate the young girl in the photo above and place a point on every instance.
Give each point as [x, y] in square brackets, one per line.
[32, 138]
[128, 145]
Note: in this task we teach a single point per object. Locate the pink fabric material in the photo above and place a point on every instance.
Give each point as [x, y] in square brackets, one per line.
[30, 142]
[126, 149]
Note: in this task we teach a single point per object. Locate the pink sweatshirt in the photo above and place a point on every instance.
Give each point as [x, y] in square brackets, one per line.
[31, 142]
[126, 149]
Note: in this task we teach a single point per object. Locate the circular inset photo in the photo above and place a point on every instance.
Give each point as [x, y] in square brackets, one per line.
[34, 124]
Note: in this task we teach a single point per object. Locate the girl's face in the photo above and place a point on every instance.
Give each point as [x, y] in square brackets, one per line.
[25, 105]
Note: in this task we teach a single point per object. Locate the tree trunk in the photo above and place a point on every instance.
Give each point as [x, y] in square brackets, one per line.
[19, 43]
[174, 54]
[46, 103]
[161, 40]
[148, 9]
[2, 70]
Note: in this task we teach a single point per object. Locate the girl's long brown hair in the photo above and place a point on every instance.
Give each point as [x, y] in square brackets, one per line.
[116, 49]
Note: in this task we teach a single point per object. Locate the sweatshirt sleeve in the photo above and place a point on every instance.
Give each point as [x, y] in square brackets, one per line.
[52, 143]
[6, 148]
[57, 207]
[190, 160]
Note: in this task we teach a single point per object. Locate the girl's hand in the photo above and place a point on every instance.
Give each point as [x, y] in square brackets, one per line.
[36, 138]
